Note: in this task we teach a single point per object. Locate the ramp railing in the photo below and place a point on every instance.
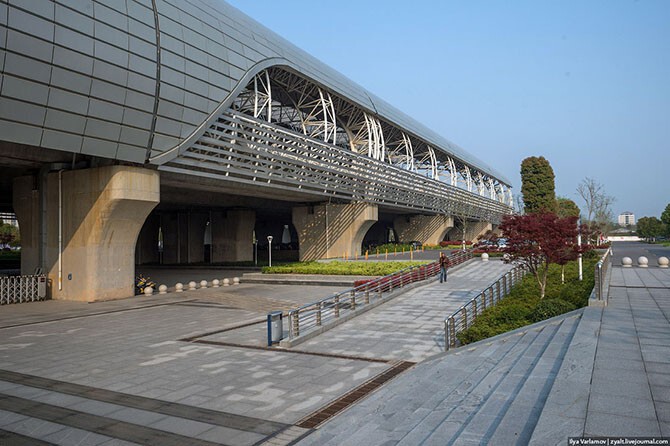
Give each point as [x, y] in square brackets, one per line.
[464, 317]
[314, 315]
[602, 267]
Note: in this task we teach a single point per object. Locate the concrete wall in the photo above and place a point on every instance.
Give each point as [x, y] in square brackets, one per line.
[332, 230]
[427, 229]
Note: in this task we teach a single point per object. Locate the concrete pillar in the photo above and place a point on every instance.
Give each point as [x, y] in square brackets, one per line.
[332, 230]
[26, 204]
[171, 248]
[146, 250]
[427, 229]
[476, 229]
[103, 210]
[232, 236]
[196, 222]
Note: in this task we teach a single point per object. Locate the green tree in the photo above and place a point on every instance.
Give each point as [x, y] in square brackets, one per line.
[9, 234]
[650, 227]
[565, 207]
[537, 185]
[665, 218]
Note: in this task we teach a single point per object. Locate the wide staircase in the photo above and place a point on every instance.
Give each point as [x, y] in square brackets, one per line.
[491, 392]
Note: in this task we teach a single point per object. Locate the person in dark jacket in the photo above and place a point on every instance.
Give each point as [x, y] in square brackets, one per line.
[444, 266]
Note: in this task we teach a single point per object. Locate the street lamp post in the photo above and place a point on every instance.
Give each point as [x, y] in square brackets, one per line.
[579, 246]
[269, 250]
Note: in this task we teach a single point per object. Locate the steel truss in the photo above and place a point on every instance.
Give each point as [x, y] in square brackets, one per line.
[286, 99]
[250, 150]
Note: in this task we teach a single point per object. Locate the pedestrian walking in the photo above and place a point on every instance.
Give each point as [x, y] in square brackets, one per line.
[444, 267]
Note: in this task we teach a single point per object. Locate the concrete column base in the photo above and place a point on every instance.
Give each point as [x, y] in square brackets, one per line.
[333, 230]
[427, 229]
[103, 210]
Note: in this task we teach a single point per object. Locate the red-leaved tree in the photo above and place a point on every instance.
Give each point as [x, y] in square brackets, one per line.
[538, 240]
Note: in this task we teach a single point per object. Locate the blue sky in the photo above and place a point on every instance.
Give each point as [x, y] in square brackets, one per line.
[586, 84]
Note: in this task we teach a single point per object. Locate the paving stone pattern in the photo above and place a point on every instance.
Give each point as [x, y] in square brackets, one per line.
[135, 372]
[411, 326]
[592, 372]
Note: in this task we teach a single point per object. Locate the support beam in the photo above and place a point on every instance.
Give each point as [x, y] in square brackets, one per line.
[427, 229]
[97, 214]
[332, 230]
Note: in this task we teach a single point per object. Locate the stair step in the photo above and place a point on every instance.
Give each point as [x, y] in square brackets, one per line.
[487, 418]
[564, 411]
[469, 393]
[519, 421]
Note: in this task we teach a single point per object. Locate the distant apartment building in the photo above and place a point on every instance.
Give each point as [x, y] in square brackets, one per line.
[626, 219]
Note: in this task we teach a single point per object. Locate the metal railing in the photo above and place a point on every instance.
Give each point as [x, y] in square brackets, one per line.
[316, 314]
[465, 316]
[19, 289]
[242, 149]
[602, 267]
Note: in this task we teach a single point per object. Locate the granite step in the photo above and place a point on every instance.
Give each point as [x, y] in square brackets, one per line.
[565, 409]
[498, 390]
[523, 413]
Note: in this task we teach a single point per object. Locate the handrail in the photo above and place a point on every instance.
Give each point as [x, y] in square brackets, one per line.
[464, 317]
[602, 267]
[313, 315]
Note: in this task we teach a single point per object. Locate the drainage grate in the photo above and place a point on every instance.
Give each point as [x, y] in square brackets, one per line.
[322, 415]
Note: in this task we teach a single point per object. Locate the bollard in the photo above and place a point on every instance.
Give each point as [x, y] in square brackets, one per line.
[162, 289]
[236, 280]
[179, 287]
[148, 291]
[226, 282]
[203, 284]
[191, 285]
[627, 262]
[642, 262]
[485, 257]
[215, 283]
[663, 262]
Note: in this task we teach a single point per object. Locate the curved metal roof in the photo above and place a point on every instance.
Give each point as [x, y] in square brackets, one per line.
[134, 80]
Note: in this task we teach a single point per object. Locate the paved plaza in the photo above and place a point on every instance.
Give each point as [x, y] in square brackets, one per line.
[192, 368]
[140, 370]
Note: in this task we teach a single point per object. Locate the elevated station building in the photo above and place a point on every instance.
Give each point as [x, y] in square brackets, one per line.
[171, 131]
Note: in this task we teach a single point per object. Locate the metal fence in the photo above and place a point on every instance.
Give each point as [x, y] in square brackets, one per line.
[464, 317]
[314, 315]
[19, 289]
[602, 267]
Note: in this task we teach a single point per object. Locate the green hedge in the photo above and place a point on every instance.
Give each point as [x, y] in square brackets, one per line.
[341, 268]
[523, 306]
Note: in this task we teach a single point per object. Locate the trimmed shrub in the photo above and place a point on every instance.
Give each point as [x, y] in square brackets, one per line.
[548, 308]
[523, 306]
